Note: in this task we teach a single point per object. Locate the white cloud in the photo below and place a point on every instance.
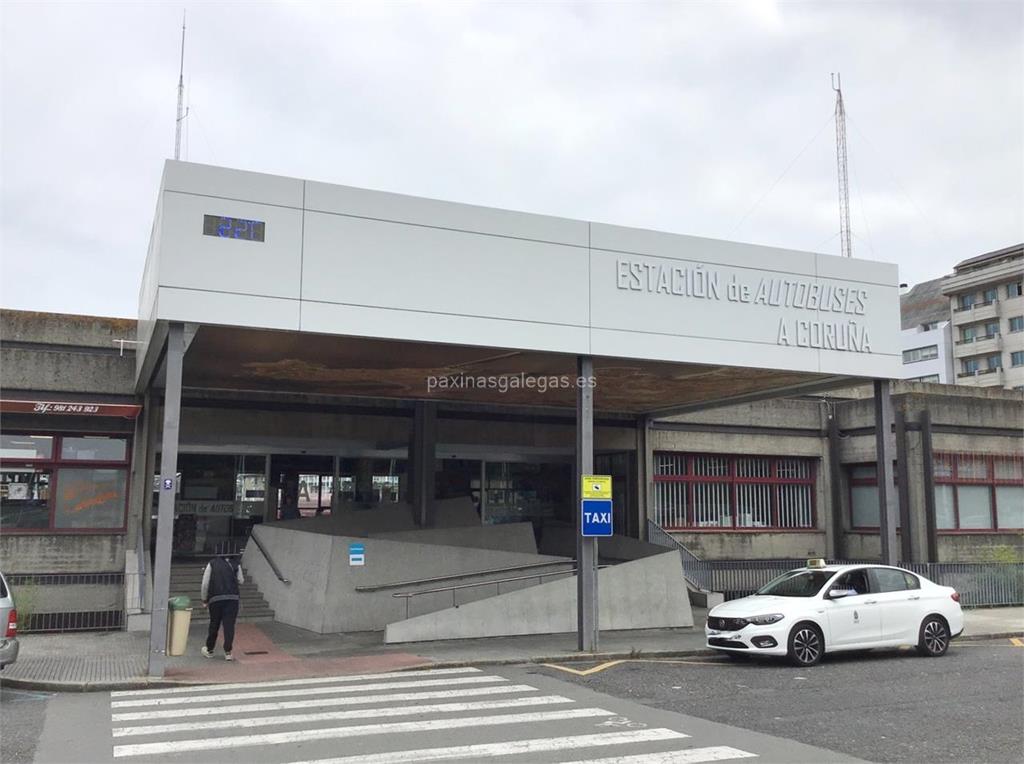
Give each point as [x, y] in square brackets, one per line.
[678, 116]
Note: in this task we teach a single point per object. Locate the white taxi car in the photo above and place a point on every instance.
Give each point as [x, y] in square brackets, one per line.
[820, 609]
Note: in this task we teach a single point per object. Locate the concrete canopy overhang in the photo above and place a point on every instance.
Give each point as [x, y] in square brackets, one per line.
[350, 292]
[242, 360]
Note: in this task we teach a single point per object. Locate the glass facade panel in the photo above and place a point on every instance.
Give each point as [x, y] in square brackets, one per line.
[945, 515]
[670, 500]
[943, 466]
[94, 449]
[1009, 469]
[864, 503]
[711, 505]
[754, 504]
[26, 446]
[24, 497]
[670, 464]
[973, 503]
[711, 466]
[972, 467]
[744, 492]
[90, 498]
[526, 491]
[1010, 506]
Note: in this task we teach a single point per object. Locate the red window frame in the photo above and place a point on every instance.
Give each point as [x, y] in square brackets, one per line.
[733, 479]
[954, 479]
[56, 462]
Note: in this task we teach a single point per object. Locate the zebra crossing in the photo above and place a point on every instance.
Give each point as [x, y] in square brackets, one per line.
[447, 714]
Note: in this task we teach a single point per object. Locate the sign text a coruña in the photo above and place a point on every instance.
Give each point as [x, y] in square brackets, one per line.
[824, 335]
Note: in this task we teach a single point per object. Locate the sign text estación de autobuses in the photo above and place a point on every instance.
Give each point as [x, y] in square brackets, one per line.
[698, 282]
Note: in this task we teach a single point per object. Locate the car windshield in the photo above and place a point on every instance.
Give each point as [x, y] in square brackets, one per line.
[797, 583]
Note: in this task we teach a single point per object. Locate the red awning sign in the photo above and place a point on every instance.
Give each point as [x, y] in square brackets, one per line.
[126, 410]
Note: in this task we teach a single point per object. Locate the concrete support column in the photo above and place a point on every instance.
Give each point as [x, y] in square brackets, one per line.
[423, 457]
[644, 474]
[335, 485]
[903, 486]
[165, 512]
[153, 413]
[928, 481]
[835, 530]
[362, 481]
[885, 453]
[270, 497]
[586, 548]
[140, 489]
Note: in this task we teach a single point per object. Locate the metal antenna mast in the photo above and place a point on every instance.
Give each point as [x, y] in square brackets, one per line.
[844, 182]
[181, 93]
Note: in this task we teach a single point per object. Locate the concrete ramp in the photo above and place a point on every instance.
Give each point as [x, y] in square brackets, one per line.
[328, 594]
[644, 594]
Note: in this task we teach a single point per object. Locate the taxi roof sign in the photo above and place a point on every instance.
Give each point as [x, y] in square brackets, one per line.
[596, 486]
[815, 562]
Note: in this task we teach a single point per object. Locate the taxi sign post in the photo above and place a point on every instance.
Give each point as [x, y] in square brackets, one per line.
[596, 505]
[586, 546]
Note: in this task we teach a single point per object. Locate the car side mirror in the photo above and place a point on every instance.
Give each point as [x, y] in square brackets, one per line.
[835, 594]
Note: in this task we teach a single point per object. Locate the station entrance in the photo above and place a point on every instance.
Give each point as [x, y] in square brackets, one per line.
[222, 497]
[448, 373]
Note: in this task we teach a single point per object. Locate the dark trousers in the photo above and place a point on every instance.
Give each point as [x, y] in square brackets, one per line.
[223, 612]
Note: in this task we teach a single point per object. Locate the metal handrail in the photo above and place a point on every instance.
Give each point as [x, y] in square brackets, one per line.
[454, 576]
[266, 555]
[407, 596]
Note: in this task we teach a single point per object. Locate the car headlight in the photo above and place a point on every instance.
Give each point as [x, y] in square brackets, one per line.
[764, 620]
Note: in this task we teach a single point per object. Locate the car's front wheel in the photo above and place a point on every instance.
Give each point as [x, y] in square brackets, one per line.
[806, 645]
[933, 639]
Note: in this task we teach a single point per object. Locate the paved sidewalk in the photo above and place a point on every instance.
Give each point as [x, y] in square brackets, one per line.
[269, 650]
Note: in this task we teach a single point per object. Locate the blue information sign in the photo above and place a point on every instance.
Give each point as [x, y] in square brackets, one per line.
[596, 517]
[356, 554]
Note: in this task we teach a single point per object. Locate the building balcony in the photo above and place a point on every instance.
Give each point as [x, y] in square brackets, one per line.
[978, 312]
[989, 343]
[981, 378]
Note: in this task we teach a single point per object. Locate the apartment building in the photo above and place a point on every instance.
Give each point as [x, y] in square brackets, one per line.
[926, 339]
[986, 302]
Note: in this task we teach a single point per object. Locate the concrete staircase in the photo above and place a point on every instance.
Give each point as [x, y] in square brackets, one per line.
[187, 578]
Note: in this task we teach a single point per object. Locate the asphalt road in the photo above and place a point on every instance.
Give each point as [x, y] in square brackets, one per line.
[21, 721]
[884, 706]
[517, 715]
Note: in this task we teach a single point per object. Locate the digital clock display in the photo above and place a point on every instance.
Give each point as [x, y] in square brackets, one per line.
[233, 228]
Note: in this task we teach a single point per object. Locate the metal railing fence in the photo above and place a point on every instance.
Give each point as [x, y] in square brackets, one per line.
[980, 584]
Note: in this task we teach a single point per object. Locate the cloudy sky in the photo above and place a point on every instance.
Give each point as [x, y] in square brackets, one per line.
[711, 119]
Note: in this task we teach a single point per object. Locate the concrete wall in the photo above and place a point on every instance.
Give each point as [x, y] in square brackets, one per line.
[510, 537]
[644, 594]
[64, 553]
[83, 358]
[304, 559]
[753, 546]
[562, 541]
[322, 596]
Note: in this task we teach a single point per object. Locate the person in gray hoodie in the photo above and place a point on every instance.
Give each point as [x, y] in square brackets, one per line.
[221, 580]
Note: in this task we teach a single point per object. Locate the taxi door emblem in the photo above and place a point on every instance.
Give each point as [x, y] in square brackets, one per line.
[856, 617]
